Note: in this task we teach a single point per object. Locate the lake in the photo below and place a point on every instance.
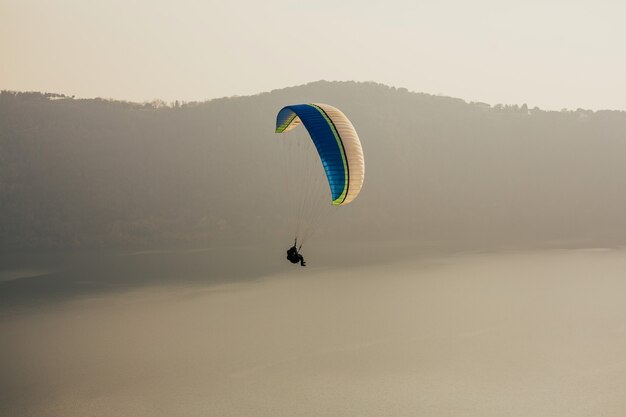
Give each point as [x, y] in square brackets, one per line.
[226, 332]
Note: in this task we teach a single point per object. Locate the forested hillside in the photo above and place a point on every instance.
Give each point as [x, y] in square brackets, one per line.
[78, 173]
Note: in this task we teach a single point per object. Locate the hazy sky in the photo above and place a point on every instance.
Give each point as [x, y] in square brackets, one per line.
[550, 54]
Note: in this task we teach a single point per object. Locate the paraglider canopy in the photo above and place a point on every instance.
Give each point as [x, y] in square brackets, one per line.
[337, 144]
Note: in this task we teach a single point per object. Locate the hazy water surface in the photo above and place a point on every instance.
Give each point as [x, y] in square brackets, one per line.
[523, 334]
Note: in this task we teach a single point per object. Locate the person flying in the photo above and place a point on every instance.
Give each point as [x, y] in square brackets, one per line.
[294, 257]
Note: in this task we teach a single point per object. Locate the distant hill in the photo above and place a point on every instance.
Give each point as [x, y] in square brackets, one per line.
[78, 173]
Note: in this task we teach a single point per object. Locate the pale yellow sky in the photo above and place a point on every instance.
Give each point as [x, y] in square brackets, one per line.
[551, 54]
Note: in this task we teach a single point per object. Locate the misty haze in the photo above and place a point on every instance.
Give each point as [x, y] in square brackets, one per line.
[144, 272]
[267, 241]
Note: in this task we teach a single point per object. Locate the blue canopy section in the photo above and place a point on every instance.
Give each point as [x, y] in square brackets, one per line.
[326, 140]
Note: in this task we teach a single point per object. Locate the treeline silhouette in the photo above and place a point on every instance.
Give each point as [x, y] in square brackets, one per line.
[89, 173]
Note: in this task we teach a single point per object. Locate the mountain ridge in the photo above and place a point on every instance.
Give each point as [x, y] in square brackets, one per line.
[91, 173]
[162, 103]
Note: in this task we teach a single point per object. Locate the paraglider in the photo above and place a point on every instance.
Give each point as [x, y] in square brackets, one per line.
[293, 256]
[339, 151]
